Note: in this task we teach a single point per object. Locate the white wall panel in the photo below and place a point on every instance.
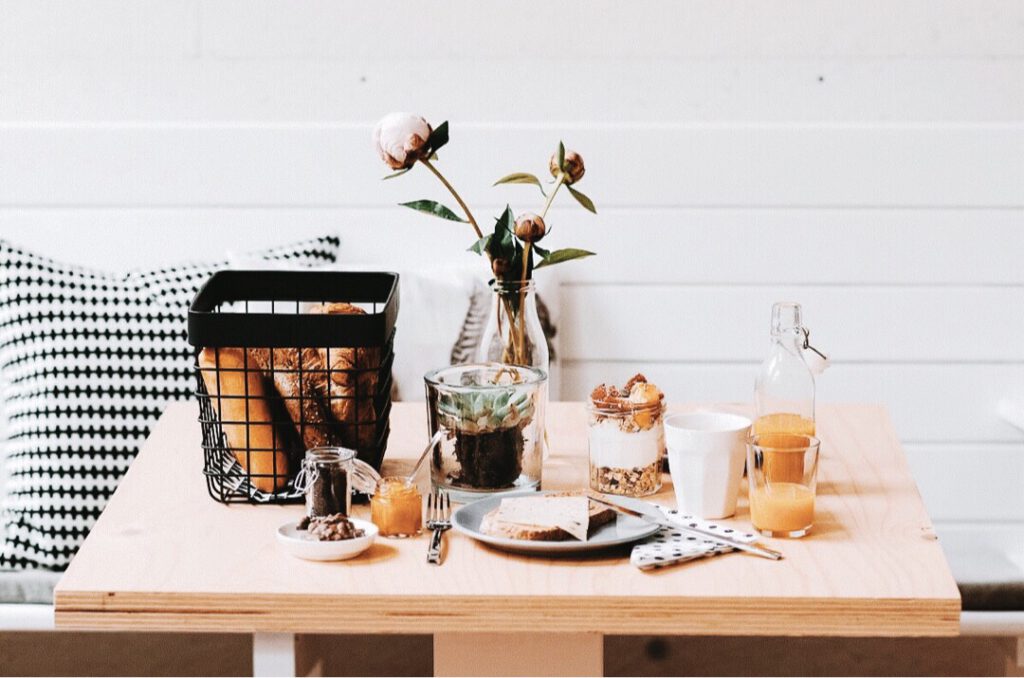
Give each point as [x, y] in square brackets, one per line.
[756, 165]
[611, 29]
[98, 29]
[850, 323]
[811, 89]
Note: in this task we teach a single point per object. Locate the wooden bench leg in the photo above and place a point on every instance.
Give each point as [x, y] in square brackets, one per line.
[518, 654]
[273, 654]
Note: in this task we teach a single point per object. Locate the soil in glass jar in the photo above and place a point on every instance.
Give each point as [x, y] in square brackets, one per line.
[489, 460]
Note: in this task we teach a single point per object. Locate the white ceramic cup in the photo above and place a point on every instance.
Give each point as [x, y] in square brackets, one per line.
[706, 451]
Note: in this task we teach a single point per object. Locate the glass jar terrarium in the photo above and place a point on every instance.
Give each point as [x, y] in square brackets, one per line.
[492, 422]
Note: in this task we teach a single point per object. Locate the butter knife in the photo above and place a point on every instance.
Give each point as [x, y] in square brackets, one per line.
[651, 515]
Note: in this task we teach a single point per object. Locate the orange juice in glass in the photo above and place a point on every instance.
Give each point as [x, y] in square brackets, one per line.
[782, 471]
[784, 466]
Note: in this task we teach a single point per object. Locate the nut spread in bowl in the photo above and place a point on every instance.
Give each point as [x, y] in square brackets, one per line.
[334, 527]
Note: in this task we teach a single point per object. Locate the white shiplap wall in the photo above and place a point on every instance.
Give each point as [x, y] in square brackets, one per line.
[865, 158]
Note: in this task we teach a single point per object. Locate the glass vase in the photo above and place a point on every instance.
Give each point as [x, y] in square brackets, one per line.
[514, 335]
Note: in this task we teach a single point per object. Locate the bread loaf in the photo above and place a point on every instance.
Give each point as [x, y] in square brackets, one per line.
[350, 394]
[561, 523]
[302, 395]
[239, 398]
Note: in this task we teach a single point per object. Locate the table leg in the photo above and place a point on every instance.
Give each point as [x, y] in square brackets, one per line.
[273, 654]
[518, 654]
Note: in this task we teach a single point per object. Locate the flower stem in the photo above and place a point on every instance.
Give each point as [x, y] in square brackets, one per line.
[551, 196]
[522, 301]
[458, 198]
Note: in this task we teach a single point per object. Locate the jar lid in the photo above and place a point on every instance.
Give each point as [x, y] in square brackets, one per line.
[330, 454]
[624, 408]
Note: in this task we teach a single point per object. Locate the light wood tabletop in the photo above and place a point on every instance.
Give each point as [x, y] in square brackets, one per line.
[165, 556]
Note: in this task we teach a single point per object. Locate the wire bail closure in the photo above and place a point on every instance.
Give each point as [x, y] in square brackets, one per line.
[306, 476]
[807, 343]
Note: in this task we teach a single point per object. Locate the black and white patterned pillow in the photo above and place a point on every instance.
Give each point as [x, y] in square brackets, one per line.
[88, 361]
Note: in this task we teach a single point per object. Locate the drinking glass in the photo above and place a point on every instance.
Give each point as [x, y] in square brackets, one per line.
[782, 471]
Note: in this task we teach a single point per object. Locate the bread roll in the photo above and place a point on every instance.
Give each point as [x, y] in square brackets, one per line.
[302, 396]
[350, 395]
[250, 435]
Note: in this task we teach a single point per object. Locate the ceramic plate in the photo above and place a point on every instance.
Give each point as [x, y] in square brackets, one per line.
[301, 545]
[623, 530]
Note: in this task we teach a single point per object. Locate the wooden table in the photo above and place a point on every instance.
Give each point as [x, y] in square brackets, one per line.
[164, 556]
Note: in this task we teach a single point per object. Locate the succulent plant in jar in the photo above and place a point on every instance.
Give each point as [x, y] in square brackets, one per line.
[492, 416]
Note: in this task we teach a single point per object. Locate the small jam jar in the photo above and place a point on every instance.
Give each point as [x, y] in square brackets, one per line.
[397, 507]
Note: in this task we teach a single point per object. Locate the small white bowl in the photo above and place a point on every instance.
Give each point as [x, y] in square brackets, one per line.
[301, 544]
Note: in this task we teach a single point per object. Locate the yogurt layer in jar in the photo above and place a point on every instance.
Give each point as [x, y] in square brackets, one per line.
[625, 434]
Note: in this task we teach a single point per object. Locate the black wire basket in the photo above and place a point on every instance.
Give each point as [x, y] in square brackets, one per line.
[286, 361]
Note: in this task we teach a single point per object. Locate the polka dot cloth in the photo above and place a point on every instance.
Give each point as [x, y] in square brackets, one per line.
[668, 546]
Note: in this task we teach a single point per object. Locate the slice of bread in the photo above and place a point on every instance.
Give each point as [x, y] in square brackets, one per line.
[494, 525]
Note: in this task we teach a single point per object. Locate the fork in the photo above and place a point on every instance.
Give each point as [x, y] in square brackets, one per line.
[439, 519]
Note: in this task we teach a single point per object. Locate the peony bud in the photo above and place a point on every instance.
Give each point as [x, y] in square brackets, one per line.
[500, 267]
[401, 139]
[574, 168]
[530, 227]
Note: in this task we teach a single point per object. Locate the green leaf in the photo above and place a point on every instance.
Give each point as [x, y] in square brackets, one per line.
[567, 254]
[396, 174]
[521, 178]
[480, 246]
[439, 137]
[434, 208]
[502, 244]
[561, 156]
[582, 199]
[541, 252]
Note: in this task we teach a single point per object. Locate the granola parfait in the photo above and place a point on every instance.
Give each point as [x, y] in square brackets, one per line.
[626, 436]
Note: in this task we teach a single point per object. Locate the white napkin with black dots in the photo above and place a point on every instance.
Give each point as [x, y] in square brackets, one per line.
[668, 546]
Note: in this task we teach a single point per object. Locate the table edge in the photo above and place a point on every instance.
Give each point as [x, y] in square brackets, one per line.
[612, 615]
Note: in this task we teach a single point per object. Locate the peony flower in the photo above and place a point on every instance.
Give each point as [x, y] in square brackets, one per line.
[401, 139]
[574, 168]
[530, 227]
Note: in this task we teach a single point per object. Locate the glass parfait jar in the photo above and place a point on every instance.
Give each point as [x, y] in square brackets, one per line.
[514, 335]
[492, 422]
[625, 447]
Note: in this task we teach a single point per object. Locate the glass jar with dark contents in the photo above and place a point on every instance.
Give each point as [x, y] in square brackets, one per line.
[328, 476]
[328, 489]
